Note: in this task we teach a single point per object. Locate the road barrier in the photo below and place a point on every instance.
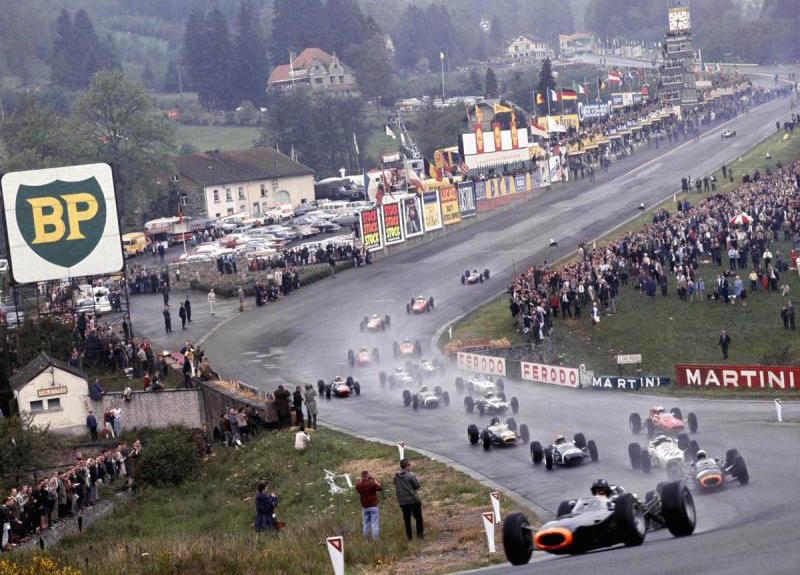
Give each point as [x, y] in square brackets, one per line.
[752, 377]
[485, 364]
[617, 382]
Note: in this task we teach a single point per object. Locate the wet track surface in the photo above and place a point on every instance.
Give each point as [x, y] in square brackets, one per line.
[751, 529]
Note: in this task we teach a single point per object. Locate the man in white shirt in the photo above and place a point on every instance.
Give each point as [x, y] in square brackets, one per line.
[301, 439]
[212, 299]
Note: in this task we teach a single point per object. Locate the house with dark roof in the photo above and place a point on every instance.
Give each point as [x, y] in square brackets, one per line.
[316, 69]
[258, 181]
[53, 393]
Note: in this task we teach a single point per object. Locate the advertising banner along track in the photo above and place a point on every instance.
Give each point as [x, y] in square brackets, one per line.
[628, 383]
[392, 224]
[466, 199]
[552, 374]
[738, 376]
[449, 199]
[371, 229]
[432, 210]
[412, 216]
[485, 364]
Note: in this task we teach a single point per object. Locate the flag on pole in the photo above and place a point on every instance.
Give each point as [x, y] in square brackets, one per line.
[500, 109]
[581, 89]
[614, 77]
[553, 95]
[478, 114]
[600, 85]
[569, 95]
[390, 133]
[355, 143]
[539, 98]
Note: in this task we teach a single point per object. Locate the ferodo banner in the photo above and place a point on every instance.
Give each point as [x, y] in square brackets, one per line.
[628, 383]
[481, 363]
[738, 376]
[371, 229]
[432, 210]
[449, 198]
[466, 199]
[62, 222]
[553, 374]
[392, 224]
[412, 216]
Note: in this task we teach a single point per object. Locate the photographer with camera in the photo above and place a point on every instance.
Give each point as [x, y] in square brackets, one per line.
[368, 488]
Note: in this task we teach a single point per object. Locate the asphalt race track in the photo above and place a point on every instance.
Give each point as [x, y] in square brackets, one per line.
[752, 529]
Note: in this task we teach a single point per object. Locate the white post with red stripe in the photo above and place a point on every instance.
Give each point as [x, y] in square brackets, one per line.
[488, 525]
[779, 410]
[401, 448]
[336, 552]
[494, 496]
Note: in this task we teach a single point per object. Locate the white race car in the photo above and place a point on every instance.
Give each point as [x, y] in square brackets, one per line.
[375, 323]
[564, 453]
[479, 384]
[663, 451]
[407, 348]
[400, 376]
[491, 403]
[474, 277]
[426, 367]
[425, 397]
[499, 434]
[339, 387]
[728, 134]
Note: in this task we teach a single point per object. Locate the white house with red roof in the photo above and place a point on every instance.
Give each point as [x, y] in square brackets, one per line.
[316, 69]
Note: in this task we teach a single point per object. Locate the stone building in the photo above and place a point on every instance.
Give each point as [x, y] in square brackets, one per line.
[316, 69]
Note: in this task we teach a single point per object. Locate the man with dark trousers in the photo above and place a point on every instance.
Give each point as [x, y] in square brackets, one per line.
[724, 343]
[187, 305]
[406, 485]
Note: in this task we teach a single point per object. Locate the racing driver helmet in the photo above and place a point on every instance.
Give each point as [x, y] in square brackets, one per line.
[700, 455]
[601, 487]
[559, 439]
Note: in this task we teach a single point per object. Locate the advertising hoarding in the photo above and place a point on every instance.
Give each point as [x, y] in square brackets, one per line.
[412, 216]
[466, 199]
[371, 229]
[392, 224]
[432, 210]
[449, 200]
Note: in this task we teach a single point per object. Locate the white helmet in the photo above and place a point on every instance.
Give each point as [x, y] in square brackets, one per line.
[701, 454]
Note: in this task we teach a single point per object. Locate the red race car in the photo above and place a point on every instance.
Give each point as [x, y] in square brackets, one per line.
[407, 348]
[339, 387]
[419, 305]
[363, 357]
[661, 421]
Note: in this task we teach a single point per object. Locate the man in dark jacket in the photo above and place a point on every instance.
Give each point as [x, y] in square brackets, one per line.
[282, 396]
[265, 508]
[406, 485]
[182, 315]
[724, 343]
[91, 423]
[297, 405]
[187, 305]
[167, 319]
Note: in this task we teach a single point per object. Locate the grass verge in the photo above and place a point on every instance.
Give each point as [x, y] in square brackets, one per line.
[205, 526]
[671, 331]
[217, 137]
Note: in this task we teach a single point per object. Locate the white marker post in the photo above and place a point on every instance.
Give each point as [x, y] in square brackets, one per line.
[494, 496]
[488, 525]
[779, 410]
[336, 552]
[401, 448]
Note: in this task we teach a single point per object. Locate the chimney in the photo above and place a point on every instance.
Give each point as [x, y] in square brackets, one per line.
[292, 56]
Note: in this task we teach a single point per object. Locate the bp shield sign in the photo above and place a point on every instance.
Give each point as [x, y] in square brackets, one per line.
[61, 222]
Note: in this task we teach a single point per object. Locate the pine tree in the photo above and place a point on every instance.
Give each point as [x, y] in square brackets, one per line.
[63, 72]
[148, 78]
[490, 83]
[344, 25]
[216, 90]
[496, 35]
[171, 82]
[250, 57]
[195, 59]
[295, 26]
[546, 79]
[87, 52]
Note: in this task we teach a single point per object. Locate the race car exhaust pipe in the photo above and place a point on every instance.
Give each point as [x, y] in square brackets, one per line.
[553, 539]
[711, 480]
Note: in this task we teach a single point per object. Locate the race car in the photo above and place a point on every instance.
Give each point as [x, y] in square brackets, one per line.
[662, 421]
[400, 376]
[363, 357]
[608, 517]
[708, 474]
[564, 453]
[491, 403]
[339, 387]
[419, 305]
[375, 323]
[498, 434]
[663, 451]
[425, 397]
[425, 367]
[728, 134]
[479, 384]
[474, 277]
[407, 348]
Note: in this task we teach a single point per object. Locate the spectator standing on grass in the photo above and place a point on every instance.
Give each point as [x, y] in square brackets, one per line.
[790, 314]
[724, 343]
[167, 319]
[368, 488]
[282, 396]
[182, 314]
[297, 404]
[265, 508]
[311, 405]
[91, 423]
[212, 299]
[406, 486]
[187, 305]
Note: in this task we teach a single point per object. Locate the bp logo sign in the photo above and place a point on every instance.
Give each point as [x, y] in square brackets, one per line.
[61, 222]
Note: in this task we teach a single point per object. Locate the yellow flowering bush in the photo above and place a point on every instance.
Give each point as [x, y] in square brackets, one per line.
[38, 565]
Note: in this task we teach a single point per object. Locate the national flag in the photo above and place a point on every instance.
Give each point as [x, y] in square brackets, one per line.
[414, 179]
[500, 109]
[379, 195]
[389, 132]
[553, 95]
[402, 138]
[355, 143]
[581, 89]
[539, 98]
[600, 85]
[569, 95]
[462, 167]
[478, 114]
[614, 77]
[432, 171]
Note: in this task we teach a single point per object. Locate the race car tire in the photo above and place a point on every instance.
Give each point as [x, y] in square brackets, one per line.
[629, 519]
[693, 448]
[692, 421]
[446, 397]
[565, 508]
[480, 279]
[674, 472]
[328, 391]
[460, 384]
[417, 348]
[463, 280]
[469, 404]
[730, 457]
[593, 455]
[320, 386]
[645, 461]
[481, 408]
[351, 358]
[524, 433]
[635, 423]
[382, 378]
[357, 388]
[349, 381]
[362, 326]
[740, 471]
[501, 396]
[437, 390]
[512, 424]
[514, 405]
[408, 308]
[580, 440]
[364, 320]
[683, 441]
[676, 411]
[486, 274]
[517, 539]
[487, 440]
[430, 303]
[473, 434]
[415, 402]
[406, 397]
[677, 506]
[387, 321]
[548, 459]
[635, 455]
[537, 454]
[650, 428]
[466, 274]
[376, 355]
[411, 302]
[499, 385]
[396, 349]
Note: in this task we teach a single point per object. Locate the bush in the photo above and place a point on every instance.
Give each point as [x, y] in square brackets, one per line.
[169, 456]
[38, 565]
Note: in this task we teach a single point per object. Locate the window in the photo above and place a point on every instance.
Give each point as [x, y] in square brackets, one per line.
[332, 79]
[54, 403]
[230, 211]
[184, 199]
[341, 79]
[37, 406]
[228, 196]
[318, 80]
[275, 185]
[241, 193]
[256, 209]
[263, 190]
[283, 197]
[216, 196]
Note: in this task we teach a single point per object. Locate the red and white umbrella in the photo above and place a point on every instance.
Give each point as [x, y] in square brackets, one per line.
[741, 220]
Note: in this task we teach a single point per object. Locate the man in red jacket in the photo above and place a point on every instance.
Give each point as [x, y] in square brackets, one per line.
[368, 488]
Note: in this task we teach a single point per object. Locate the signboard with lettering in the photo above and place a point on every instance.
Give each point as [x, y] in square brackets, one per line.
[628, 383]
[485, 364]
[412, 216]
[466, 199]
[61, 223]
[432, 210]
[392, 224]
[371, 229]
[51, 391]
[738, 376]
[480, 190]
[552, 374]
[449, 199]
[629, 359]
[586, 111]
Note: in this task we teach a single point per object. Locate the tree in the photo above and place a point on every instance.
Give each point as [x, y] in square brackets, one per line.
[195, 57]
[249, 56]
[114, 117]
[546, 79]
[216, 90]
[496, 35]
[372, 64]
[344, 24]
[25, 446]
[295, 26]
[171, 81]
[77, 51]
[148, 78]
[490, 84]
[64, 68]
[475, 82]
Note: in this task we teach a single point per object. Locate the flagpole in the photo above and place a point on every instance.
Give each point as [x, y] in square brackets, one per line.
[441, 59]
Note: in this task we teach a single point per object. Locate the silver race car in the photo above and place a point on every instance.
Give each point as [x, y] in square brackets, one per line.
[426, 398]
[498, 434]
[491, 404]
[564, 453]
